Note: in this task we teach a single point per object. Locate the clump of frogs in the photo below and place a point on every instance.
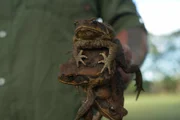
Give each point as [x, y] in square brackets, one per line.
[104, 95]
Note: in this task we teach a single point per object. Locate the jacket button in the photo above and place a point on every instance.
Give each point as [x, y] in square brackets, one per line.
[2, 81]
[3, 34]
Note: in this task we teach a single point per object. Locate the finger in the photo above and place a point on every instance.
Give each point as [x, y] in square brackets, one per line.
[101, 61]
[83, 62]
[103, 69]
[83, 56]
[100, 53]
[80, 52]
[109, 70]
[104, 56]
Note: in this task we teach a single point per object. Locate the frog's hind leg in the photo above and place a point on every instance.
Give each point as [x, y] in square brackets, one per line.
[86, 105]
[139, 81]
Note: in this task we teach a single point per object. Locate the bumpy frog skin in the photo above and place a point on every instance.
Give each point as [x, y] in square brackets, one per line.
[92, 34]
[92, 30]
[107, 100]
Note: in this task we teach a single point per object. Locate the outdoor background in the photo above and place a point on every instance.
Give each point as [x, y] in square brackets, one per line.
[161, 68]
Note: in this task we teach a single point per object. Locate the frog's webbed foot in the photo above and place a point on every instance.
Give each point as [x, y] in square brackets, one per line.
[79, 58]
[139, 83]
[138, 90]
[107, 63]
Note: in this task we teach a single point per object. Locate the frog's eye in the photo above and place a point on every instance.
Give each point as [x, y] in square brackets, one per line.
[112, 110]
[94, 22]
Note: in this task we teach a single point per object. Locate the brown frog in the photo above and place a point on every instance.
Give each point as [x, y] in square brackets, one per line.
[107, 99]
[91, 34]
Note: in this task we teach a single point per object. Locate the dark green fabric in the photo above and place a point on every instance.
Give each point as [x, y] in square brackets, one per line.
[39, 33]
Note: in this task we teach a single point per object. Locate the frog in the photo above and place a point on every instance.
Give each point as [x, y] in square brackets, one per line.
[107, 99]
[91, 34]
[105, 95]
[110, 100]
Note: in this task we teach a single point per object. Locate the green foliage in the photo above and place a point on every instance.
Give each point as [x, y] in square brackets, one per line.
[131, 88]
[154, 49]
[164, 55]
[169, 84]
[147, 86]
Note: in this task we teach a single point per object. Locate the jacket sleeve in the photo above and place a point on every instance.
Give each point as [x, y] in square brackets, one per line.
[121, 14]
[126, 21]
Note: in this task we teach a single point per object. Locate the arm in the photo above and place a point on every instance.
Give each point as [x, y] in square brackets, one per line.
[134, 42]
[124, 18]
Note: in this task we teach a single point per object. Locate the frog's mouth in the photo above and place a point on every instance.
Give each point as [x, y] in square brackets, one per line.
[86, 28]
[88, 32]
[73, 80]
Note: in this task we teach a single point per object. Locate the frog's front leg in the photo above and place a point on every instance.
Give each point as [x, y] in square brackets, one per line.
[108, 60]
[78, 56]
[107, 63]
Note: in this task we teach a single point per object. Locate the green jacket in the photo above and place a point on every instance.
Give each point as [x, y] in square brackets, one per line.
[34, 38]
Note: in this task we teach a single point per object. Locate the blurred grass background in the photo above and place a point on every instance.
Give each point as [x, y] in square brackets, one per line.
[152, 107]
[160, 101]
